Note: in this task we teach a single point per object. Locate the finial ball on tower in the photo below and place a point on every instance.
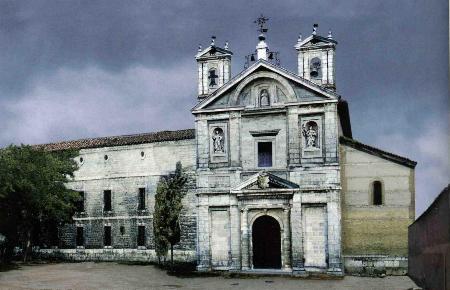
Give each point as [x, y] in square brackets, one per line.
[330, 34]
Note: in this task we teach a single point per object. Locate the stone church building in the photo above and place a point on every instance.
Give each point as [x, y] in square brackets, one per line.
[277, 182]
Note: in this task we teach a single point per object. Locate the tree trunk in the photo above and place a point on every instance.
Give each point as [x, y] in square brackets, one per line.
[27, 246]
[171, 256]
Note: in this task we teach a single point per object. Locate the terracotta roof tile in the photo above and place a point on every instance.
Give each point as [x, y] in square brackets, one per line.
[120, 140]
[378, 152]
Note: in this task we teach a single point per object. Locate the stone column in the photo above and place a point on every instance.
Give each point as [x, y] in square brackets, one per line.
[244, 240]
[300, 64]
[324, 67]
[203, 252]
[297, 235]
[286, 239]
[334, 234]
[331, 68]
[235, 237]
[200, 78]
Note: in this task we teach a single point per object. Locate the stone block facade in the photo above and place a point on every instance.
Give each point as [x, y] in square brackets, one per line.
[124, 171]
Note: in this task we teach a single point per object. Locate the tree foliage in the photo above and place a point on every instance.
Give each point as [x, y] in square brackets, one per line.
[168, 205]
[33, 195]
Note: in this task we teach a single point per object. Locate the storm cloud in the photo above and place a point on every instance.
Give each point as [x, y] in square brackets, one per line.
[75, 69]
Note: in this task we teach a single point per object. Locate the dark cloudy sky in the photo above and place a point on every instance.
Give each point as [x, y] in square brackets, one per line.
[74, 69]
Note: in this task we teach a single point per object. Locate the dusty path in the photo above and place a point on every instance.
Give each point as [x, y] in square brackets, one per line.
[90, 275]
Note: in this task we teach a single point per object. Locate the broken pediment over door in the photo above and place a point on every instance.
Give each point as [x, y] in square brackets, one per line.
[264, 181]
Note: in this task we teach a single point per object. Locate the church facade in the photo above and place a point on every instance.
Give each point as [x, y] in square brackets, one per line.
[276, 181]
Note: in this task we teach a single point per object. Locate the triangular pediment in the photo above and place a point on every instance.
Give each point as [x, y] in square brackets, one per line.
[290, 88]
[315, 41]
[213, 52]
[264, 180]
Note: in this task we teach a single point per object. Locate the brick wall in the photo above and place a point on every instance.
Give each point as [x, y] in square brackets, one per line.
[429, 245]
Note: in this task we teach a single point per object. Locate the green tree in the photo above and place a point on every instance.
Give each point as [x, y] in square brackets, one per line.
[33, 195]
[168, 206]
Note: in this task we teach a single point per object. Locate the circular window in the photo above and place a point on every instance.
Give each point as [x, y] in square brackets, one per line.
[142, 154]
[106, 157]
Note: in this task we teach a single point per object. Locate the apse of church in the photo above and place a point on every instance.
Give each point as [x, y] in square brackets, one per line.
[276, 181]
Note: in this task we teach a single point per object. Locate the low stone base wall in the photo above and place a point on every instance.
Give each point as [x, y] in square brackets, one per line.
[375, 265]
[126, 255]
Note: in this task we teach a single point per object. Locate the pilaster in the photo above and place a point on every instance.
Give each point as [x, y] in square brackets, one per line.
[244, 240]
[296, 234]
[286, 239]
[235, 237]
[203, 247]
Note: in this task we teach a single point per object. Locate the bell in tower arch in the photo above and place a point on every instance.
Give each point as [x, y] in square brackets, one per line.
[214, 67]
[316, 58]
[315, 68]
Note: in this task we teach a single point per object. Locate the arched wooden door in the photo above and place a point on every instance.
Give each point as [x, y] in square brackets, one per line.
[266, 241]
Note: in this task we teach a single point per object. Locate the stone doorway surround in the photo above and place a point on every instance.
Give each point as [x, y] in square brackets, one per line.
[264, 194]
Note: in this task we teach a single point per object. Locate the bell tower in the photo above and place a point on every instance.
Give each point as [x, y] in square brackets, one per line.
[316, 58]
[214, 68]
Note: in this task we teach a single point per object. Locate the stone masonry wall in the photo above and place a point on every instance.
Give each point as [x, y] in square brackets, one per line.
[124, 171]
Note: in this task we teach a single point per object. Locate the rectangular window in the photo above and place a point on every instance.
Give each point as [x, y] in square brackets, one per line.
[80, 202]
[107, 236]
[141, 205]
[141, 236]
[264, 154]
[80, 237]
[107, 200]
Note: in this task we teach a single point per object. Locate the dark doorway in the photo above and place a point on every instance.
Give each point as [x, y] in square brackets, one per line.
[266, 238]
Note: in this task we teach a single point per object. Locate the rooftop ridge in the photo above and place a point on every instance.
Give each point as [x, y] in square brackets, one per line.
[381, 153]
[119, 140]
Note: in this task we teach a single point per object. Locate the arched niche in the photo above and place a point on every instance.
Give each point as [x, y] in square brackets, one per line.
[249, 92]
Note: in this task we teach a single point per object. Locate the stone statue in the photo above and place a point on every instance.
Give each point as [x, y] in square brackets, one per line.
[310, 135]
[264, 98]
[218, 142]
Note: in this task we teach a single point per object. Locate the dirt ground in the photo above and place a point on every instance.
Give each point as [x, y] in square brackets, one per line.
[91, 275]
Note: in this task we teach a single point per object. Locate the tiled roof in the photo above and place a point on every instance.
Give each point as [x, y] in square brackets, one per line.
[378, 152]
[120, 140]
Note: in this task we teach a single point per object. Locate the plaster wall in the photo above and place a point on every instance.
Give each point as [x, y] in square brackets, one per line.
[369, 230]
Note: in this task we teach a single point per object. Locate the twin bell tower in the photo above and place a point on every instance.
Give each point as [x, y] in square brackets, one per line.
[315, 59]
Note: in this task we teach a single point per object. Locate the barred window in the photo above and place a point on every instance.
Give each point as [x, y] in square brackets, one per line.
[107, 236]
[80, 237]
[107, 200]
[141, 202]
[377, 193]
[141, 236]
